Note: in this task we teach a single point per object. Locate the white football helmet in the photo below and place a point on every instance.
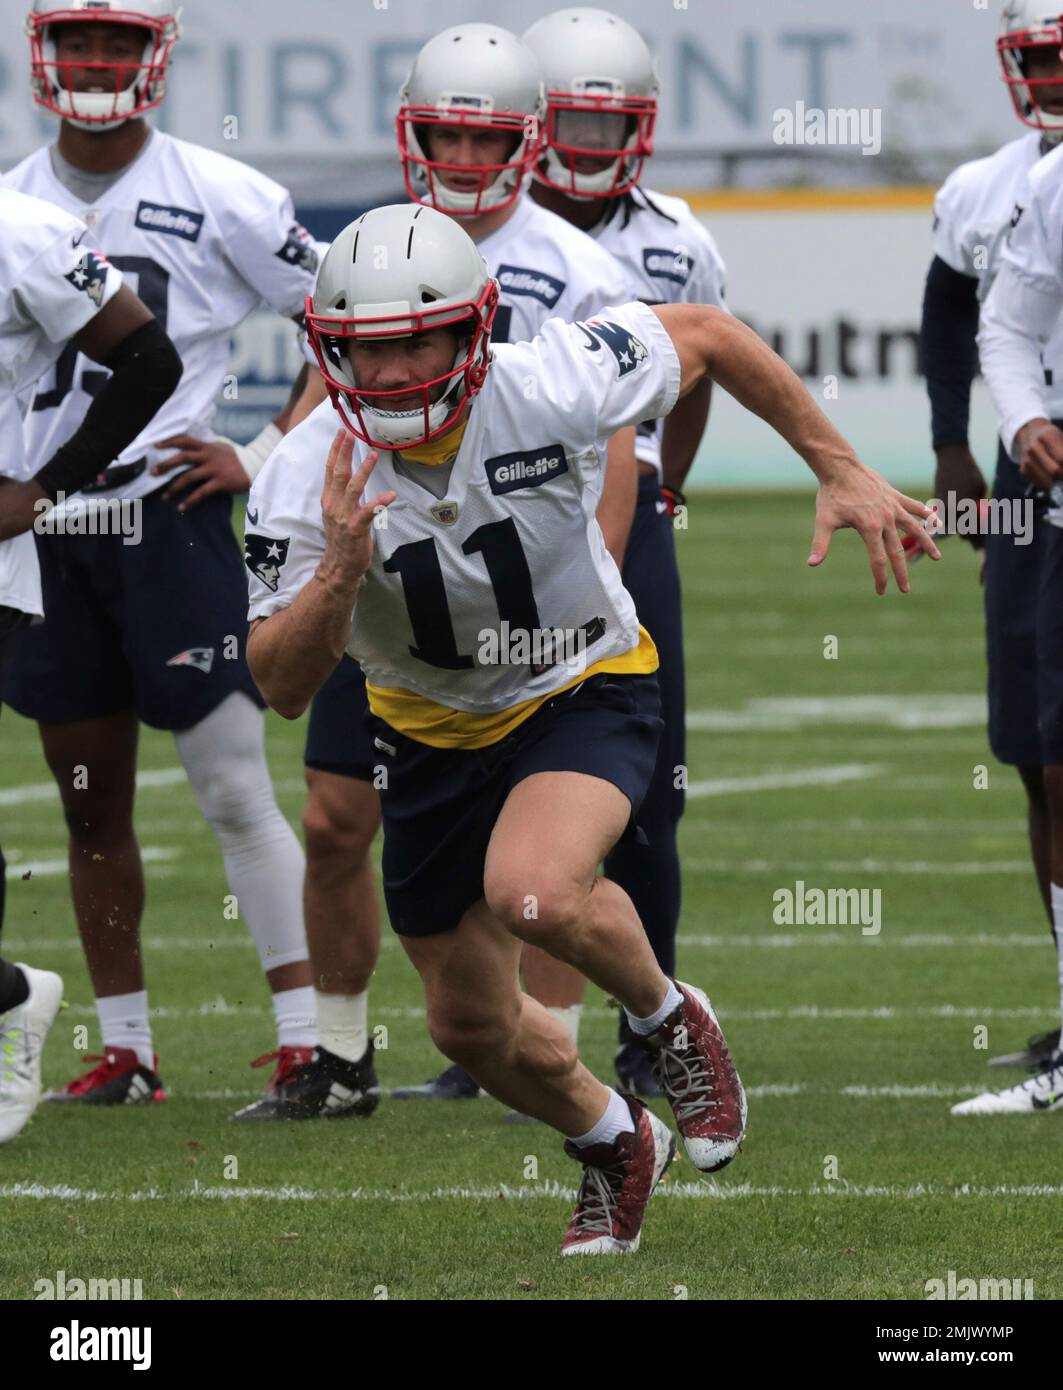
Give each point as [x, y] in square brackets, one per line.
[480, 77]
[601, 102]
[130, 89]
[1027, 24]
[394, 272]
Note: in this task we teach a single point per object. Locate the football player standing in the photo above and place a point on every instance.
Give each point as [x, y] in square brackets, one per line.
[512, 688]
[602, 93]
[155, 632]
[55, 287]
[469, 131]
[1014, 203]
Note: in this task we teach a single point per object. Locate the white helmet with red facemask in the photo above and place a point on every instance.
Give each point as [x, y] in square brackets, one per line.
[126, 90]
[478, 77]
[1027, 25]
[395, 272]
[601, 101]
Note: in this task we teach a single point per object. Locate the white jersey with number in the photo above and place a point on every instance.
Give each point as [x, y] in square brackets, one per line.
[546, 269]
[203, 239]
[514, 540]
[52, 283]
[1012, 212]
[669, 259]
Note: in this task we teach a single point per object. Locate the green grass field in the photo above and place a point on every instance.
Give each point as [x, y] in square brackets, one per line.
[856, 772]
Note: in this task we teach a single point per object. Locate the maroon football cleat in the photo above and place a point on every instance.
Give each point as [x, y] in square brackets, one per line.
[119, 1079]
[618, 1181]
[694, 1065]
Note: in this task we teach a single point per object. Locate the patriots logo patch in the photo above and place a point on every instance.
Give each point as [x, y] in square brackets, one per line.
[90, 276]
[265, 557]
[199, 658]
[628, 350]
[298, 251]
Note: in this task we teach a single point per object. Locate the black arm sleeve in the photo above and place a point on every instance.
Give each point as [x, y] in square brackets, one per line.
[950, 349]
[145, 371]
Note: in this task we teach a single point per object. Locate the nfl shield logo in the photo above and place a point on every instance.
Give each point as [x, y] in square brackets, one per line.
[446, 512]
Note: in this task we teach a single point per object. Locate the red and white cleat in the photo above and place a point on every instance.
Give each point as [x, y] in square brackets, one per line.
[618, 1182]
[694, 1065]
[289, 1061]
[119, 1079]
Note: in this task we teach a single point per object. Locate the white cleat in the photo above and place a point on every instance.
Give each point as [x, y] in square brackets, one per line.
[1040, 1093]
[22, 1034]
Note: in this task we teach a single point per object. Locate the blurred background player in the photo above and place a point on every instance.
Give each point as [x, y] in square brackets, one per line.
[53, 288]
[469, 131]
[601, 93]
[509, 779]
[155, 631]
[1021, 341]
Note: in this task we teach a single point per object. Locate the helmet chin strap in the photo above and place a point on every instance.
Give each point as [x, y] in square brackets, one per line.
[1050, 139]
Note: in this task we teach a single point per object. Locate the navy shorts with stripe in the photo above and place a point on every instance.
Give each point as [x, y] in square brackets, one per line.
[159, 627]
[440, 805]
[338, 738]
[1024, 635]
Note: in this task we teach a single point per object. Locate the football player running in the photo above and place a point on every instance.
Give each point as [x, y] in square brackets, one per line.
[469, 133]
[1021, 343]
[53, 287]
[154, 631]
[602, 92]
[513, 696]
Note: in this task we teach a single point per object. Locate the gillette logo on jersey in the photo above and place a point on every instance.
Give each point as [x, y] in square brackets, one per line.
[537, 284]
[628, 350]
[527, 468]
[667, 265]
[152, 217]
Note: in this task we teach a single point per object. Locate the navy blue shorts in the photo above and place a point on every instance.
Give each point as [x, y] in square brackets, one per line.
[440, 805]
[1024, 635]
[159, 627]
[338, 738]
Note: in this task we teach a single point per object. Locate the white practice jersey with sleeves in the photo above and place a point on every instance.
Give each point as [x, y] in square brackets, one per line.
[203, 239]
[670, 259]
[546, 269]
[514, 540]
[1020, 335]
[52, 283]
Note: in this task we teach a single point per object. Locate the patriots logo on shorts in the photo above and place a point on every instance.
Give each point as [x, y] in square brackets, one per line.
[199, 658]
[628, 350]
[297, 250]
[265, 557]
[90, 275]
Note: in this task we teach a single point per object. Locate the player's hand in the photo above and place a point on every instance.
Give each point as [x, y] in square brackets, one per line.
[958, 473]
[19, 506]
[215, 468]
[859, 498]
[348, 524]
[1040, 446]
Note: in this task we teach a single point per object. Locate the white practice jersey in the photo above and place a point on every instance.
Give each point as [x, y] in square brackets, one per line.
[546, 269]
[514, 541]
[672, 259]
[1020, 336]
[52, 283]
[203, 239]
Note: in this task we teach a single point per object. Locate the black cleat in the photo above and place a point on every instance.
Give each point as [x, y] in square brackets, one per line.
[324, 1087]
[1039, 1052]
[453, 1084]
[634, 1069]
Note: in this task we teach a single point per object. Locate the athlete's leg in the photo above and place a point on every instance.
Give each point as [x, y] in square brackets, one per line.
[1039, 825]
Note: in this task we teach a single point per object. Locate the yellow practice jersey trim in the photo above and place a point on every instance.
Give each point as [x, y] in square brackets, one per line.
[438, 451]
[441, 727]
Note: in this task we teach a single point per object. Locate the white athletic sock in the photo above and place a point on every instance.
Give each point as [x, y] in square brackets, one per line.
[124, 1023]
[570, 1017]
[1057, 918]
[645, 1026]
[342, 1025]
[225, 760]
[615, 1121]
[296, 1017]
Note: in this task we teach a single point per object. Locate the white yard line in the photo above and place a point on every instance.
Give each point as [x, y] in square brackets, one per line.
[781, 780]
[901, 867]
[50, 868]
